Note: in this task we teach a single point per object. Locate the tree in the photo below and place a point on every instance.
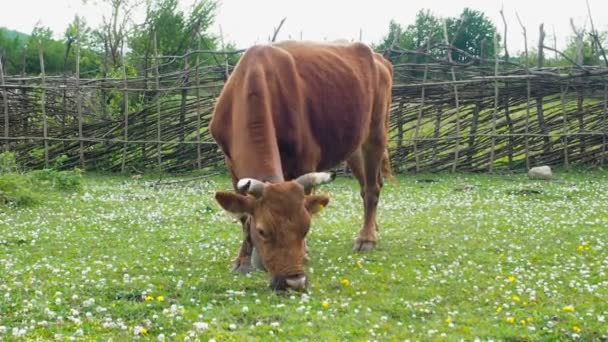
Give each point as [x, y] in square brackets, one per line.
[11, 50]
[176, 33]
[41, 38]
[114, 29]
[90, 57]
[472, 28]
[467, 32]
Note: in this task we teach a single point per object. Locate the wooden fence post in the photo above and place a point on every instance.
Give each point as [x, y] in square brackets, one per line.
[184, 97]
[496, 99]
[539, 96]
[79, 96]
[564, 91]
[158, 93]
[421, 111]
[436, 132]
[471, 149]
[400, 125]
[456, 99]
[472, 134]
[506, 96]
[5, 105]
[198, 108]
[528, 91]
[125, 110]
[419, 119]
[43, 106]
[604, 124]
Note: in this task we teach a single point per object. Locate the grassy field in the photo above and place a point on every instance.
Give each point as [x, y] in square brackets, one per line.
[460, 256]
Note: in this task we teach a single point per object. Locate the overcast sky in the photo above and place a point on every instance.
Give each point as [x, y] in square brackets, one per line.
[246, 22]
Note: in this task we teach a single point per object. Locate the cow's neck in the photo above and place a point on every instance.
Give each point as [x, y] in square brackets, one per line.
[254, 132]
[258, 157]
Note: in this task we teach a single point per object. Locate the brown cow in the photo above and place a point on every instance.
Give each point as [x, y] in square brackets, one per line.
[290, 109]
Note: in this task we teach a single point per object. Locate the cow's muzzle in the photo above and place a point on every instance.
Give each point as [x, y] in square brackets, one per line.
[298, 282]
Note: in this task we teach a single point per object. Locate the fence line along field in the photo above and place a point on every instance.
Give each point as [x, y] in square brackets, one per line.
[479, 115]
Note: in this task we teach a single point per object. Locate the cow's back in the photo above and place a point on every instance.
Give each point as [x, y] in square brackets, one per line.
[337, 82]
[318, 101]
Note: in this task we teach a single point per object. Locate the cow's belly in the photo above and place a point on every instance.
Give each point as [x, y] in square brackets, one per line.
[320, 155]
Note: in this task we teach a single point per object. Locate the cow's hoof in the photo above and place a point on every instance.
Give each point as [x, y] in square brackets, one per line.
[363, 246]
[242, 265]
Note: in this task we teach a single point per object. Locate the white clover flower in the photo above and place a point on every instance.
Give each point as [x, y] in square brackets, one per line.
[89, 302]
[200, 326]
[139, 330]
[19, 332]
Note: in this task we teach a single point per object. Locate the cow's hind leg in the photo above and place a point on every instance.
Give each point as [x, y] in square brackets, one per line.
[365, 165]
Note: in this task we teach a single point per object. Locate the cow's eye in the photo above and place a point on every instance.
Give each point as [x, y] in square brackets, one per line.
[261, 232]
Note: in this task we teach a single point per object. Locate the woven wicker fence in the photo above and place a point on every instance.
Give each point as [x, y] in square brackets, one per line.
[484, 115]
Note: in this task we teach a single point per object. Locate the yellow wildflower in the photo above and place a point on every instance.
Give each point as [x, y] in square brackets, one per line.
[149, 298]
[499, 309]
[576, 329]
[345, 282]
[510, 319]
[143, 331]
[512, 279]
[448, 320]
[160, 298]
[522, 322]
[325, 304]
[530, 319]
[568, 308]
[583, 247]
[516, 298]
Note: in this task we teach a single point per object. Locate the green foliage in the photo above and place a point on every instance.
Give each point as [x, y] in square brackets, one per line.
[58, 180]
[471, 32]
[59, 57]
[17, 189]
[8, 163]
[26, 189]
[11, 49]
[590, 50]
[176, 32]
[68, 180]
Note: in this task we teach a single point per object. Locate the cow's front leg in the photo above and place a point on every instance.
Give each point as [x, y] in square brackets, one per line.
[242, 263]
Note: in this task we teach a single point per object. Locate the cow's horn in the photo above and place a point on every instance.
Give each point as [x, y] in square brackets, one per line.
[251, 186]
[309, 180]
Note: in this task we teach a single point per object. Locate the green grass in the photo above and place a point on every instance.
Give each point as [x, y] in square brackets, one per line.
[465, 256]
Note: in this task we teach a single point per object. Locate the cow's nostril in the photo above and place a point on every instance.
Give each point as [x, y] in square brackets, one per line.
[297, 283]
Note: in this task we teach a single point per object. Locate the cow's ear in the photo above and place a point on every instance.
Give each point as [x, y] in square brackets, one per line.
[316, 203]
[235, 203]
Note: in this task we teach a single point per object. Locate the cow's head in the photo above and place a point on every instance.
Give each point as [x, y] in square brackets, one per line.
[279, 217]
